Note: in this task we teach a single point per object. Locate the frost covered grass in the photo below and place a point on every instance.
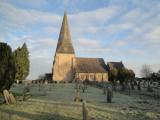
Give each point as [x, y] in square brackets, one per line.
[55, 102]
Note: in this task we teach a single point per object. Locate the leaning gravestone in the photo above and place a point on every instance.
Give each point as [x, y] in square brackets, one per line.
[6, 96]
[13, 100]
[84, 111]
[9, 98]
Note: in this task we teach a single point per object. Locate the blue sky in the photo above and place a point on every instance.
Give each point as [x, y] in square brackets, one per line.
[116, 30]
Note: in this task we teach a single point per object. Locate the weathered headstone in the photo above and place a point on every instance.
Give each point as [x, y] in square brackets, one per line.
[109, 94]
[9, 98]
[129, 88]
[84, 111]
[25, 92]
[104, 88]
[39, 86]
[77, 98]
[13, 100]
[46, 82]
[6, 96]
[139, 85]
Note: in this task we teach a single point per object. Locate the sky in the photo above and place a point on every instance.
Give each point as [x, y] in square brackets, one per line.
[116, 30]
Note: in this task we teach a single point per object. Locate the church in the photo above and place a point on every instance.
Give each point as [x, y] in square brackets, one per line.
[68, 67]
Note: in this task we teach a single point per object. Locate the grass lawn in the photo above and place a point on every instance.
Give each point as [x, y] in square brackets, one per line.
[55, 102]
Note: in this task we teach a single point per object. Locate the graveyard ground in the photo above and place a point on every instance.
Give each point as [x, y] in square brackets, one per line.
[56, 102]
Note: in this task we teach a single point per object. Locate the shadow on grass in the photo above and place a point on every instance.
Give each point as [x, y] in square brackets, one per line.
[52, 116]
[36, 116]
[54, 103]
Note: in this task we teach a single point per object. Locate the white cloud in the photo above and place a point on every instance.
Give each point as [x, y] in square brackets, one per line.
[117, 27]
[48, 42]
[98, 15]
[91, 20]
[94, 33]
[154, 35]
[89, 43]
[118, 43]
[19, 19]
[23, 16]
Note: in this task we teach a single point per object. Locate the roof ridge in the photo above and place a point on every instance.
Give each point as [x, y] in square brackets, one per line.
[88, 58]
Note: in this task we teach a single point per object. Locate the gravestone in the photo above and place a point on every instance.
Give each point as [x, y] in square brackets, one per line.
[13, 100]
[26, 93]
[109, 94]
[104, 88]
[6, 96]
[84, 111]
[9, 98]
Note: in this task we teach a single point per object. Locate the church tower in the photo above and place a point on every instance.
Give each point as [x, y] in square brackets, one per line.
[63, 65]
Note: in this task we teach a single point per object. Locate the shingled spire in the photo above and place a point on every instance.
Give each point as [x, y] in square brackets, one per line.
[64, 42]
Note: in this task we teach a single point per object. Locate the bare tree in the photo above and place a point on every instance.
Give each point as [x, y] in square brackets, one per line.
[41, 77]
[146, 71]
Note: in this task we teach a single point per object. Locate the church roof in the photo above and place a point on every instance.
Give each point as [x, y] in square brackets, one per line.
[116, 65]
[90, 65]
[64, 42]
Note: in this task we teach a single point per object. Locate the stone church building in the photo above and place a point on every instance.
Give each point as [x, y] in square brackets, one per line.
[68, 67]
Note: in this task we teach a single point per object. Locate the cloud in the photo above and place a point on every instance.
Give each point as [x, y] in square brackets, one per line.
[23, 16]
[85, 21]
[121, 30]
[153, 35]
[90, 43]
[48, 42]
[24, 19]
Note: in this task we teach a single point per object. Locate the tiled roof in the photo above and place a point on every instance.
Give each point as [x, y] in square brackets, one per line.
[64, 42]
[116, 65]
[90, 65]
